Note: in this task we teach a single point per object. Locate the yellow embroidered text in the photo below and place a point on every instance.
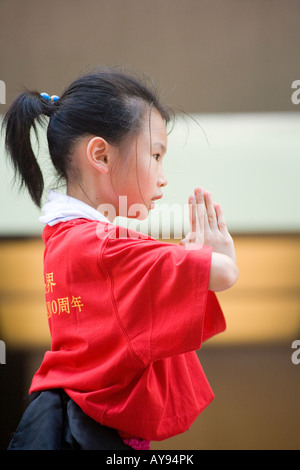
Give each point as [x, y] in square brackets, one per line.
[61, 304]
[49, 283]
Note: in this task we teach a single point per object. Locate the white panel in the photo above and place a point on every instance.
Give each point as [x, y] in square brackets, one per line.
[250, 163]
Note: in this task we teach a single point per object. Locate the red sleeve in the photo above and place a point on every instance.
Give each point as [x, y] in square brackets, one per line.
[160, 296]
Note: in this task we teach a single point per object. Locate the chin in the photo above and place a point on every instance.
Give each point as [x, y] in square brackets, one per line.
[142, 215]
[138, 211]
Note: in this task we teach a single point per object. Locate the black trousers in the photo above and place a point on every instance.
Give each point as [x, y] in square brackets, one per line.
[53, 421]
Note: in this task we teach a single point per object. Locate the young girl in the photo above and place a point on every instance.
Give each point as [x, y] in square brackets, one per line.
[126, 312]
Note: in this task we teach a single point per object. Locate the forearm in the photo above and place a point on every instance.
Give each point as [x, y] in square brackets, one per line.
[223, 272]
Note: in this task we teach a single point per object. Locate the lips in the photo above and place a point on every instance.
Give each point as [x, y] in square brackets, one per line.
[157, 197]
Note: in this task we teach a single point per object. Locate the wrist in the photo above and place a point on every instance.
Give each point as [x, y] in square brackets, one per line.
[226, 248]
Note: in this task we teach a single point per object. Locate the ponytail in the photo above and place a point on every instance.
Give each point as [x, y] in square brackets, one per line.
[25, 111]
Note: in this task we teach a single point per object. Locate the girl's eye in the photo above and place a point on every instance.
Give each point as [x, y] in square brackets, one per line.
[157, 156]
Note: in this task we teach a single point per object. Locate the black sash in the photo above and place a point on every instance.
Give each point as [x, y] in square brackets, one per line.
[53, 421]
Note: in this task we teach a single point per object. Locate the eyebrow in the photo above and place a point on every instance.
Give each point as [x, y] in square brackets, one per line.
[160, 145]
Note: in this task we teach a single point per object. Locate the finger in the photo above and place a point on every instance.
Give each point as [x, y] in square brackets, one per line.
[201, 210]
[202, 224]
[221, 219]
[189, 243]
[193, 214]
[185, 241]
[211, 212]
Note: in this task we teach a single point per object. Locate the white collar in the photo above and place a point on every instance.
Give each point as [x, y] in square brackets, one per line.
[61, 208]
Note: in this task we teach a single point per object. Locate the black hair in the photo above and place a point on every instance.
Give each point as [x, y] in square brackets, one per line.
[105, 102]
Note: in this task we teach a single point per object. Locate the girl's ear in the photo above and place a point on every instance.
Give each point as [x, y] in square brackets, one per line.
[97, 154]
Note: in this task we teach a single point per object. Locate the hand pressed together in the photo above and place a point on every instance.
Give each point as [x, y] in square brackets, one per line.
[208, 227]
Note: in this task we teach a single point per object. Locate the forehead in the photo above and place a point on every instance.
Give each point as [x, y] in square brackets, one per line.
[155, 128]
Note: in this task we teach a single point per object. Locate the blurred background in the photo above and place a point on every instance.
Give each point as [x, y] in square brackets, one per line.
[230, 65]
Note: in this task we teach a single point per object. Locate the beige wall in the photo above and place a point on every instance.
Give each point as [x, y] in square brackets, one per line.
[207, 55]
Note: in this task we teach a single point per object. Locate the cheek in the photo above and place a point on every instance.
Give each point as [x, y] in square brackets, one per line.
[148, 171]
[135, 179]
[123, 179]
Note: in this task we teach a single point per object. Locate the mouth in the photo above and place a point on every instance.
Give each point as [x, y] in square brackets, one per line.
[155, 198]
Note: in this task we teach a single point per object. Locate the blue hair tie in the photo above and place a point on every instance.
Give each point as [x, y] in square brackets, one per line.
[46, 96]
[52, 98]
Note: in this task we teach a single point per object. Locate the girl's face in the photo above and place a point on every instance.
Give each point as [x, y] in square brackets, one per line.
[141, 178]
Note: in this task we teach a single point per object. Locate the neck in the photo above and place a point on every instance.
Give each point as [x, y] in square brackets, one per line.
[77, 192]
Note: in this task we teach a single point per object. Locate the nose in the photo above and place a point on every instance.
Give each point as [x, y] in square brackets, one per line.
[162, 181]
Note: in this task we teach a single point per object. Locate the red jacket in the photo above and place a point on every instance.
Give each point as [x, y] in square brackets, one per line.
[126, 314]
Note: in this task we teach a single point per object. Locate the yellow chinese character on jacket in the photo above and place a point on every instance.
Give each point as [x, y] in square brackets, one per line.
[49, 283]
[76, 302]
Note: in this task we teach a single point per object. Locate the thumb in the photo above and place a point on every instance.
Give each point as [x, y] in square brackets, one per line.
[189, 238]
